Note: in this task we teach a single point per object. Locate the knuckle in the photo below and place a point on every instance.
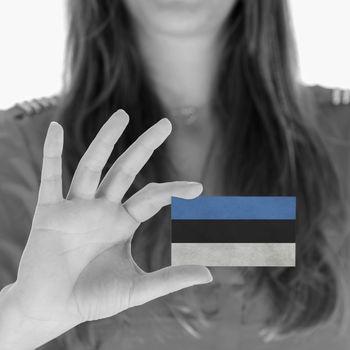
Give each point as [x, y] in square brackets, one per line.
[146, 143]
[52, 178]
[82, 194]
[104, 143]
[91, 167]
[125, 173]
[51, 150]
[50, 156]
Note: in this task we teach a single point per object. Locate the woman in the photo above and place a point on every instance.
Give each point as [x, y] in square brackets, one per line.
[223, 73]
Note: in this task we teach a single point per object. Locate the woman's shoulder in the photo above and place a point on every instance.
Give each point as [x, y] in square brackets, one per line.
[330, 97]
[23, 126]
[332, 111]
[35, 112]
[332, 107]
[22, 133]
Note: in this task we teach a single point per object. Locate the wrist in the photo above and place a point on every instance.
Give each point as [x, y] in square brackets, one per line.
[12, 332]
[17, 329]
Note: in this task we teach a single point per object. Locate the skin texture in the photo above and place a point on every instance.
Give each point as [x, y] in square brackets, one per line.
[77, 264]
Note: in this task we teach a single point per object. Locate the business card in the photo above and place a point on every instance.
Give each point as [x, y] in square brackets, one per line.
[233, 231]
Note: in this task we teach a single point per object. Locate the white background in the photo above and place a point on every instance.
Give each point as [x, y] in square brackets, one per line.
[32, 35]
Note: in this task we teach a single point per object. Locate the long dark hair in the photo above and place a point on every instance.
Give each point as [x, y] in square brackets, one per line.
[272, 146]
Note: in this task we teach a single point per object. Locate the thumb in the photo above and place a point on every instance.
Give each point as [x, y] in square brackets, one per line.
[168, 280]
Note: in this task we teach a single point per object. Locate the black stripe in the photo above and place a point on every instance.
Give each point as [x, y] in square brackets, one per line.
[233, 231]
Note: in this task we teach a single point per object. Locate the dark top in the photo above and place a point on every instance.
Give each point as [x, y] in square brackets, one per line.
[149, 326]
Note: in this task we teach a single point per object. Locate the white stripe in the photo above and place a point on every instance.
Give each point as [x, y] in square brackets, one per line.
[233, 254]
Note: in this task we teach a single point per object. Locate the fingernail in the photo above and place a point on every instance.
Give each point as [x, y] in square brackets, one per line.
[196, 186]
[165, 122]
[55, 124]
[209, 277]
[120, 114]
[55, 128]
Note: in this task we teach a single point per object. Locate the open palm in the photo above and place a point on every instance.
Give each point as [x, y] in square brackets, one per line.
[77, 264]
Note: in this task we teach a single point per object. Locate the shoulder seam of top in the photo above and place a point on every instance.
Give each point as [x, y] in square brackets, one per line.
[35, 106]
[331, 96]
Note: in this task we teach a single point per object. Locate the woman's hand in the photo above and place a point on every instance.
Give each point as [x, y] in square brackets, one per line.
[77, 264]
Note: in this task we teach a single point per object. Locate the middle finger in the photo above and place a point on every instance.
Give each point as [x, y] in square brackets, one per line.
[88, 173]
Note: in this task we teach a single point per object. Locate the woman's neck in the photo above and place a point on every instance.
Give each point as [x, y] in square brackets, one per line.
[182, 69]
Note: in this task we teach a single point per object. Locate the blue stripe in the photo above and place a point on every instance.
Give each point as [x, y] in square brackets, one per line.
[233, 208]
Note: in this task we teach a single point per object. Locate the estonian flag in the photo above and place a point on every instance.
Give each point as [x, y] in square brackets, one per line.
[233, 231]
